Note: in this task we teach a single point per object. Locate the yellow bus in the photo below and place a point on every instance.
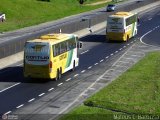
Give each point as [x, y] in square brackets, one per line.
[51, 56]
[121, 26]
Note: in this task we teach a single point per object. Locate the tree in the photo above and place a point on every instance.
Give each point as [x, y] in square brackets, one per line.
[81, 1]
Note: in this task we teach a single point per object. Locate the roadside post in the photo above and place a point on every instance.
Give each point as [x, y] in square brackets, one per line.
[2, 17]
[89, 23]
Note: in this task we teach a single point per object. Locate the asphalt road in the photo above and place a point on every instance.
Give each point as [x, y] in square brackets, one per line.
[152, 37]
[96, 51]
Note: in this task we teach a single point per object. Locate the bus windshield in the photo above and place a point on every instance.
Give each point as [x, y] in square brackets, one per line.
[37, 53]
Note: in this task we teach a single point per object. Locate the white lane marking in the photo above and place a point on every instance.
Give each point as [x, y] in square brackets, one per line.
[129, 58]
[20, 106]
[7, 112]
[116, 52]
[68, 79]
[122, 66]
[124, 62]
[128, 44]
[153, 29]
[89, 67]
[111, 54]
[101, 60]
[124, 46]
[50, 89]
[120, 49]
[92, 89]
[59, 84]
[76, 75]
[83, 71]
[107, 57]
[132, 42]
[9, 87]
[31, 100]
[150, 19]
[41, 94]
[19, 64]
[96, 64]
[144, 36]
[85, 52]
[136, 55]
[84, 94]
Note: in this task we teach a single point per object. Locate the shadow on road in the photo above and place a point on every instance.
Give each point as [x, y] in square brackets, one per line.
[15, 74]
[93, 38]
[99, 38]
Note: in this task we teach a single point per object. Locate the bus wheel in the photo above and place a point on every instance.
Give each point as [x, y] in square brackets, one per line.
[73, 69]
[60, 74]
[57, 75]
[127, 38]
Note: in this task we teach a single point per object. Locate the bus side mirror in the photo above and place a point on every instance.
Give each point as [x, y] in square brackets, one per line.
[138, 20]
[80, 45]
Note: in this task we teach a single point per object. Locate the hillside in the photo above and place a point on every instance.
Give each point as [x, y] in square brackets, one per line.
[23, 13]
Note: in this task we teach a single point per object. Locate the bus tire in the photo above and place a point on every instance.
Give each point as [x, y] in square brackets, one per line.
[60, 74]
[73, 69]
[57, 75]
[127, 38]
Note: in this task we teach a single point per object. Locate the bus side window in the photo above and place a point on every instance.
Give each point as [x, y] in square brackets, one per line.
[67, 43]
[63, 47]
[57, 49]
[70, 46]
[54, 50]
[73, 43]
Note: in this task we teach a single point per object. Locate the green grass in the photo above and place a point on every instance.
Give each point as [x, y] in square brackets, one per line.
[23, 13]
[92, 1]
[89, 113]
[135, 92]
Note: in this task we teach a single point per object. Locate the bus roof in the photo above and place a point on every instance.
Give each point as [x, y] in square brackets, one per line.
[53, 38]
[122, 14]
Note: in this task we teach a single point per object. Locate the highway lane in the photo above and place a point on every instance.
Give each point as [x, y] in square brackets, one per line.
[152, 37]
[26, 90]
[30, 90]
[98, 50]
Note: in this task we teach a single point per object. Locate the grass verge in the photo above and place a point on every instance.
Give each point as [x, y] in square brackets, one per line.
[134, 95]
[23, 13]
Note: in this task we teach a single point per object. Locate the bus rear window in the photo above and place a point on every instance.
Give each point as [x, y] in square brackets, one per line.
[37, 53]
[114, 23]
